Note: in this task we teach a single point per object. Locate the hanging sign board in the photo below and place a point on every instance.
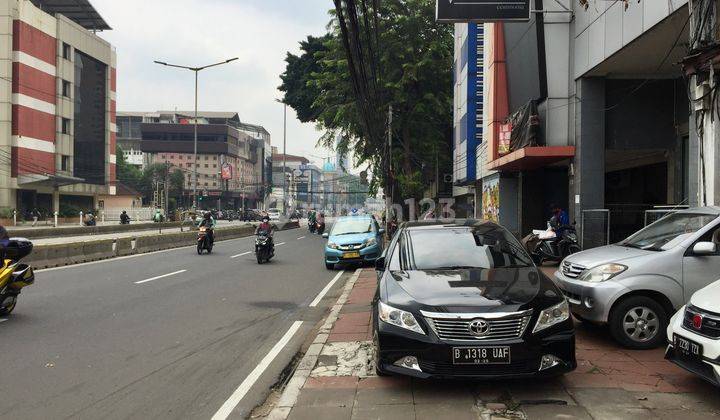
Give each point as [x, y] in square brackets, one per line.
[459, 11]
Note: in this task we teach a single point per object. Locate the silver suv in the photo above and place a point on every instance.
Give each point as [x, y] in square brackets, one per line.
[634, 286]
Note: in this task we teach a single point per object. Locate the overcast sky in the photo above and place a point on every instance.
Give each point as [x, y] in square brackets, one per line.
[198, 32]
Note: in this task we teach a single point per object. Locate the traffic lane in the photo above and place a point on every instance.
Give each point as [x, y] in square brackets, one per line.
[97, 355]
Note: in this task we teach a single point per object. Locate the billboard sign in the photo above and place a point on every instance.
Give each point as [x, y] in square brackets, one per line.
[226, 171]
[458, 11]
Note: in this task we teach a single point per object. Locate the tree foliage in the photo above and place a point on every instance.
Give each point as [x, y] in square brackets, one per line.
[299, 92]
[377, 54]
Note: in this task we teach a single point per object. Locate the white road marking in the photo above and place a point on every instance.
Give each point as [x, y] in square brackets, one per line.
[281, 243]
[160, 277]
[2, 320]
[240, 255]
[302, 237]
[237, 396]
[320, 295]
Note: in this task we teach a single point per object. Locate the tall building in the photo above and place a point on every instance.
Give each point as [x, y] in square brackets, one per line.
[303, 180]
[231, 164]
[467, 113]
[57, 96]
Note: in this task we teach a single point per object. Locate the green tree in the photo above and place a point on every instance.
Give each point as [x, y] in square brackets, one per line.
[374, 56]
[300, 94]
[126, 173]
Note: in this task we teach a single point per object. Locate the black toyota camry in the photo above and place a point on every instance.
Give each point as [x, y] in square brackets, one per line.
[463, 299]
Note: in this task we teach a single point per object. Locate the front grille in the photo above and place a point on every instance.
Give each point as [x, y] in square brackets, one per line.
[571, 296]
[350, 247]
[445, 368]
[710, 322]
[459, 329]
[571, 270]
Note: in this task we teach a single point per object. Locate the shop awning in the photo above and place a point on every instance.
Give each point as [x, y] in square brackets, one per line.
[529, 158]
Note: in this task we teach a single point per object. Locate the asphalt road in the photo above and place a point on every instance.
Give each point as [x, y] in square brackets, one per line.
[139, 338]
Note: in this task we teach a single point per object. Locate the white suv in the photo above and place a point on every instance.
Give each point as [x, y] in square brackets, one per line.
[694, 335]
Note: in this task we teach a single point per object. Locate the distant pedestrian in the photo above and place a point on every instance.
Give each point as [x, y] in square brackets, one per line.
[35, 214]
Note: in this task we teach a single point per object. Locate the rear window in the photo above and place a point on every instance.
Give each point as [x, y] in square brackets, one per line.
[460, 248]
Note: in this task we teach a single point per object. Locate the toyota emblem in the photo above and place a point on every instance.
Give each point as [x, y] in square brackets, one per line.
[697, 321]
[479, 327]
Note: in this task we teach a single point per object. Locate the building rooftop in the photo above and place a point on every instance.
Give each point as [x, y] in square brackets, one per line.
[278, 157]
[79, 11]
[205, 114]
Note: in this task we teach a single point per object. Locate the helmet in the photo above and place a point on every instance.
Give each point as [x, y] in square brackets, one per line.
[266, 219]
[207, 215]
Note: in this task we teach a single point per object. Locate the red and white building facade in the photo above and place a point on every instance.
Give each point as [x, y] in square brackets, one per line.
[41, 53]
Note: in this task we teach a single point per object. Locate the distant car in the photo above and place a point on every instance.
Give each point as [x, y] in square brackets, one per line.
[463, 299]
[634, 286]
[353, 239]
[274, 214]
[694, 335]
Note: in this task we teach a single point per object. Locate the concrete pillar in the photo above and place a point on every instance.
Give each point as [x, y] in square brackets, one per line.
[587, 183]
[56, 200]
[693, 160]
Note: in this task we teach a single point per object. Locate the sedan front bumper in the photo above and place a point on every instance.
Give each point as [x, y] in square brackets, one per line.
[367, 254]
[434, 356]
[707, 365]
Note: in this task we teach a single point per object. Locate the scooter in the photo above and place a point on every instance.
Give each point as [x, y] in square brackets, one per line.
[545, 245]
[13, 275]
[312, 226]
[203, 241]
[263, 248]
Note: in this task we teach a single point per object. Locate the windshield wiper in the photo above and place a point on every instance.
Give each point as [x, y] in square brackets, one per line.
[631, 245]
[457, 267]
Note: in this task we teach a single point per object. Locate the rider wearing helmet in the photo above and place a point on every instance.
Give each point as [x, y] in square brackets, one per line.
[265, 228]
[209, 223]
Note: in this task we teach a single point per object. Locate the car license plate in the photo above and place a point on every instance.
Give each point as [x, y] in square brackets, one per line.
[351, 255]
[481, 355]
[688, 348]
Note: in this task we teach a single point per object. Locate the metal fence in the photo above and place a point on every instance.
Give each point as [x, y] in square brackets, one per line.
[595, 228]
[136, 214]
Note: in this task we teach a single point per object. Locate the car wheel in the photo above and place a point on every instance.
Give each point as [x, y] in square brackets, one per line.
[329, 266]
[639, 322]
[376, 359]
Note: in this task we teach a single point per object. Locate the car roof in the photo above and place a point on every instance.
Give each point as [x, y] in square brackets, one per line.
[447, 223]
[701, 210]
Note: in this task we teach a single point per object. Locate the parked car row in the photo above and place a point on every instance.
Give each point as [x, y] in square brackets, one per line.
[464, 298]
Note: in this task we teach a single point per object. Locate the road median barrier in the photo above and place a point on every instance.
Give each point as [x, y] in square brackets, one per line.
[56, 255]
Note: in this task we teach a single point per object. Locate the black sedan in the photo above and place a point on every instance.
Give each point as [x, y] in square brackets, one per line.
[464, 299]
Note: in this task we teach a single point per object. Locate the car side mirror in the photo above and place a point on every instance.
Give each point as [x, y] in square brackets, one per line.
[380, 264]
[325, 235]
[705, 248]
[381, 231]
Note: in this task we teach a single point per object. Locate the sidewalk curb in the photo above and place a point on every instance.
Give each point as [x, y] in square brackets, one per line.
[302, 372]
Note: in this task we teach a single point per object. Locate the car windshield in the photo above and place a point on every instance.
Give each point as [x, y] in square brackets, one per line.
[461, 248]
[668, 231]
[350, 226]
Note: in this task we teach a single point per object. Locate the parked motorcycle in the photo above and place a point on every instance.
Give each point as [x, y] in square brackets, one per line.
[203, 241]
[263, 248]
[13, 275]
[548, 246]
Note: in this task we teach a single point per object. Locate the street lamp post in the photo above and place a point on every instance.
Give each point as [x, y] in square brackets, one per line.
[284, 152]
[195, 138]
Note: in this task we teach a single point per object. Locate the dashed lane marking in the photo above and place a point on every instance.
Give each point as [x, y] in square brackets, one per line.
[302, 237]
[240, 255]
[160, 277]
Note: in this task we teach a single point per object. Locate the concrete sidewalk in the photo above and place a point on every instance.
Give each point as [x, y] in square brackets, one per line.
[610, 382]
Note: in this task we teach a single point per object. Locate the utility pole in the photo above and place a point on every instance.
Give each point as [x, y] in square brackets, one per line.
[389, 193]
[284, 154]
[166, 206]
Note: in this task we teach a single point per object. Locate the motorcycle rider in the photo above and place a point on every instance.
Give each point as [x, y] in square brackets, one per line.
[209, 223]
[312, 218]
[124, 218]
[266, 228]
[559, 221]
[321, 222]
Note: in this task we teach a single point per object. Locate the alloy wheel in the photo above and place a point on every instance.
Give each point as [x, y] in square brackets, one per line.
[641, 324]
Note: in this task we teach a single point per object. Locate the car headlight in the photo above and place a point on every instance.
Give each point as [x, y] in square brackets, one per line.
[370, 242]
[332, 245]
[398, 317]
[602, 273]
[552, 316]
